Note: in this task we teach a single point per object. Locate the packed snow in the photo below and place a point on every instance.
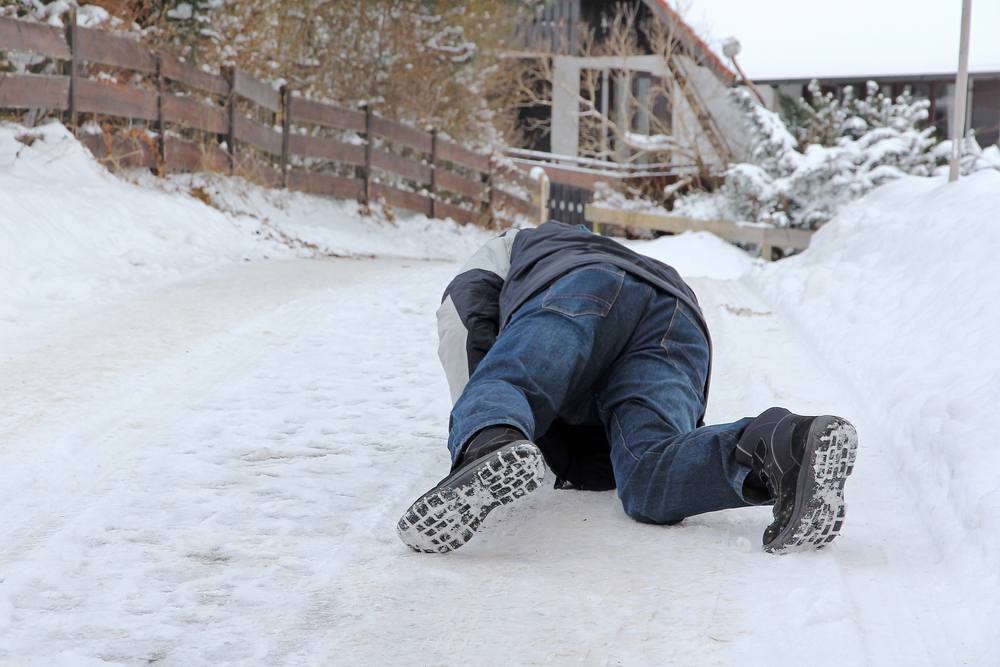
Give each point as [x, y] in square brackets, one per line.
[74, 234]
[217, 399]
[900, 296]
[697, 255]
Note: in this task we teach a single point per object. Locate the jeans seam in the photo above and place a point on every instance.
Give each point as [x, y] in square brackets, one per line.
[621, 432]
[696, 326]
[666, 344]
[584, 404]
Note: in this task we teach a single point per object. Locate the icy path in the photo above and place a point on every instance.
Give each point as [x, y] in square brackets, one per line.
[211, 475]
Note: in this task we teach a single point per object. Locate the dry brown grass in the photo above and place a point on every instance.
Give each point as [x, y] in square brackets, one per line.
[407, 59]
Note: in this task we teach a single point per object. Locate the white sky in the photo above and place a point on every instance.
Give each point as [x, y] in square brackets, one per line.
[816, 38]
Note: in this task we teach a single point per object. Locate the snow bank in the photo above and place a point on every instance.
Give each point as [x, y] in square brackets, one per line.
[330, 226]
[899, 293]
[697, 255]
[72, 233]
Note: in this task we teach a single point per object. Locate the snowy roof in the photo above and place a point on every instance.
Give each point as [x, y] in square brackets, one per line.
[784, 39]
[690, 38]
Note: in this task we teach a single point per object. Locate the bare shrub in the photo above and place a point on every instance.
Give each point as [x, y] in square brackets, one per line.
[425, 64]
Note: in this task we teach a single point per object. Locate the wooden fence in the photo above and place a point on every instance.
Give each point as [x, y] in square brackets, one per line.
[239, 124]
[766, 236]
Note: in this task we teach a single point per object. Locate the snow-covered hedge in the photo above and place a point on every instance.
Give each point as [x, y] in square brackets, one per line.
[859, 144]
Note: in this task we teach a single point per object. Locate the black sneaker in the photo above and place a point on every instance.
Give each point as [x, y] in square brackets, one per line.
[804, 463]
[494, 472]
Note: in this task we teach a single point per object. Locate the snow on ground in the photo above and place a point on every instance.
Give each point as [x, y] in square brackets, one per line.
[203, 458]
[697, 255]
[329, 226]
[899, 294]
[74, 234]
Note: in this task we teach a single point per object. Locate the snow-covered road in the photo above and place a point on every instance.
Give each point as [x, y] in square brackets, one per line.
[209, 473]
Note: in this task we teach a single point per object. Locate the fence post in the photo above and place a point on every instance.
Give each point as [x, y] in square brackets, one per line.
[369, 140]
[71, 34]
[161, 125]
[230, 73]
[286, 127]
[490, 177]
[434, 153]
[543, 194]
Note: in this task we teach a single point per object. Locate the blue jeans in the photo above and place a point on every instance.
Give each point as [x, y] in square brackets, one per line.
[602, 348]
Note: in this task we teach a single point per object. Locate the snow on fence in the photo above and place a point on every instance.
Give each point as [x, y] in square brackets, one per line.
[234, 122]
[764, 235]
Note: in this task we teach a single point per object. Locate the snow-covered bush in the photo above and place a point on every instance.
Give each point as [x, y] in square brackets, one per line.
[831, 152]
[826, 118]
[45, 11]
[973, 159]
[868, 142]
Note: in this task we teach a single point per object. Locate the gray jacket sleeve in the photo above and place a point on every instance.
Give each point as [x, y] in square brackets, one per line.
[469, 316]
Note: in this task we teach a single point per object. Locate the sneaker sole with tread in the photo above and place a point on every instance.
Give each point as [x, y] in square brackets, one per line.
[819, 501]
[446, 517]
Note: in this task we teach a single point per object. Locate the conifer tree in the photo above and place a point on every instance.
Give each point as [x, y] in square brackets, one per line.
[840, 150]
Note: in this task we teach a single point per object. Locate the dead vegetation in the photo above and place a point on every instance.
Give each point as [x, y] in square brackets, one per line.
[422, 63]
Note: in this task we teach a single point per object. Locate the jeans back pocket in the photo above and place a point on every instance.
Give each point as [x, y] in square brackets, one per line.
[589, 290]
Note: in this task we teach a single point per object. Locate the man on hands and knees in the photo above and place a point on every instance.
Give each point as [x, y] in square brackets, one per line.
[564, 347]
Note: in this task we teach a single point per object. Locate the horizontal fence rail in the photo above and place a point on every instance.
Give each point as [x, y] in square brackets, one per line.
[272, 137]
[766, 236]
[39, 39]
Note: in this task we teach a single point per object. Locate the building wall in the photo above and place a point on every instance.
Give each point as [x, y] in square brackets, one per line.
[715, 95]
[986, 111]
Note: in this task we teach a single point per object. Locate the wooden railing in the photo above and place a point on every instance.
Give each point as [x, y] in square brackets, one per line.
[766, 236]
[182, 118]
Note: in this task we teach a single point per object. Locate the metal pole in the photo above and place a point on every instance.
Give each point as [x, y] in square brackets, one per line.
[932, 121]
[747, 81]
[961, 92]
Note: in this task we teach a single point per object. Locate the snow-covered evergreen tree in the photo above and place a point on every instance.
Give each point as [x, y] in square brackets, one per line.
[844, 149]
[831, 152]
